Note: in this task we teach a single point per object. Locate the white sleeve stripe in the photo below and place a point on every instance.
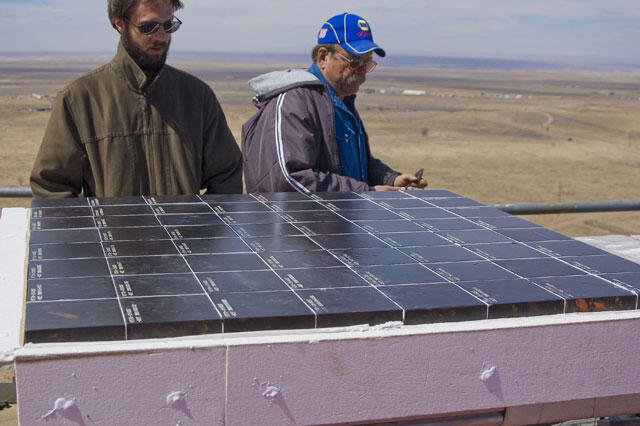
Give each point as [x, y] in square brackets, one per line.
[280, 150]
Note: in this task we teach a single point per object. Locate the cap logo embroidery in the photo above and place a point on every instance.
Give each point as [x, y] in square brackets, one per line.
[362, 24]
[322, 33]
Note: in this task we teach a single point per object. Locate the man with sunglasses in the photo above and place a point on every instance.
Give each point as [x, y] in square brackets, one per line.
[307, 135]
[136, 126]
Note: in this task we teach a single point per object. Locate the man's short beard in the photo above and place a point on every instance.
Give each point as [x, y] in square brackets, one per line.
[145, 62]
[355, 78]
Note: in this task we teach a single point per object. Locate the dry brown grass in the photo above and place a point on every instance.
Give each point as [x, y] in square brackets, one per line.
[568, 136]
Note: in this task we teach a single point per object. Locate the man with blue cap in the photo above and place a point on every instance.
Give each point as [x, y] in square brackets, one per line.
[307, 135]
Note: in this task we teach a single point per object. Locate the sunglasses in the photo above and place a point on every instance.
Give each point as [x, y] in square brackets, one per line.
[356, 64]
[148, 28]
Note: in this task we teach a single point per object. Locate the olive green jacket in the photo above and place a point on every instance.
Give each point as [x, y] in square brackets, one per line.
[113, 133]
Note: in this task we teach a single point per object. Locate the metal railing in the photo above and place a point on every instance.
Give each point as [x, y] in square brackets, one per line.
[515, 209]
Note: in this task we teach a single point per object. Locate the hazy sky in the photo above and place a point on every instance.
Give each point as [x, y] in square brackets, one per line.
[482, 28]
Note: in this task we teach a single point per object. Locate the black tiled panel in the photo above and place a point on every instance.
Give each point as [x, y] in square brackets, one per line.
[295, 206]
[49, 212]
[62, 223]
[434, 193]
[379, 214]
[514, 298]
[148, 233]
[281, 196]
[225, 262]
[141, 265]
[66, 236]
[403, 203]
[116, 201]
[299, 259]
[272, 310]
[311, 216]
[70, 289]
[58, 202]
[429, 303]
[505, 222]
[380, 226]
[73, 321]
[211, 231]
[373, 256]
[202, 208]
[542, 267]
[477, 212]
[190, 219]
[281, 243]
[65, 251]
[157, 285]
[140, 209]
[627, 280]
[533, 235]
[298, 279]
[170, 316]
[265, 230]
[169, 199]
[350, 306]
[587, 293]
[385, 195]
[336, 196]
[226, 198]
[398, 274]
[451, 224]
[454, 202]
[139, 248]
[566, 248]
[436, 254]
[212, 245]
[474, 236]
[472, 271]
[251, 218]
[241, 282]
[425, 213]
[240, 207]
[603, 264]
[413, 239]
[331, 242]
[330, 228]
[502, 251]
[361, 204]
[126, 221]
[68, 268]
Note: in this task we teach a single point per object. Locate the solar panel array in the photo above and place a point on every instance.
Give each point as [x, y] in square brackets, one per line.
[146, 267]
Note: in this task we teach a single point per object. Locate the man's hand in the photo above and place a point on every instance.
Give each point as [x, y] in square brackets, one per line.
[407, 180]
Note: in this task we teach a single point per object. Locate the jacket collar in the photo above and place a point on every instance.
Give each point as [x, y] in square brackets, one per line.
[132, 73]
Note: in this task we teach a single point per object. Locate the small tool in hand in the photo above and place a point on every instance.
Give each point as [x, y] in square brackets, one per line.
[419, 173]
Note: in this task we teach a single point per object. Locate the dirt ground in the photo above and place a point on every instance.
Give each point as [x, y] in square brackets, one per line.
[496, 136]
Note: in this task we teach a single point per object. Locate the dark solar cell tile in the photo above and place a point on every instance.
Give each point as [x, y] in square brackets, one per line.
[344, 306]
[227, 198]
[505, 222]
[330, 228]
[603, 264]
[281, 243]
[586, 293]
[210, 231]
[566, 248]
[144, 265]
[472, 271]
[435, 254]
[454, 202]
[514, 298]
[65, 251]
[134, 234]
[380, 226]
[273, 310]
[346, 241]
[70, 289]
[474, 236]
[252, 218]
[413, 239]
[172, 199]
[241, 282]
[49, 212]
[403, 203]
[122, 210]
[429, 303]
[500, 251]
[398, 274]
[68, 268]
[434, 193]
[265, 230]
[477, 212]
[212, 245]
[157, 285]
[59, 202]
[336, 196]
[127, 221]
[62, 223]
[201, 208]
[190, 219]
[327, 278]
[299, 259]
[368, 214]
[627, 280]
[281, 196]
[225, 262]
[453, 224]
[425, 213]
[74, 321]
[113, 201]
[295, 206]
[240, 207]
[385, 195]
[373, 256]
[542, 267]
[361, 204]
[139, 248]
[533, 235]
[66, 236]
[311, 216]
[170, 316]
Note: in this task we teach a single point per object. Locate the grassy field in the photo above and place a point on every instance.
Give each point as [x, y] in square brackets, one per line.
[496, 136]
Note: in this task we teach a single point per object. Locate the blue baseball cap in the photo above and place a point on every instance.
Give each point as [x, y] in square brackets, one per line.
[350, 31]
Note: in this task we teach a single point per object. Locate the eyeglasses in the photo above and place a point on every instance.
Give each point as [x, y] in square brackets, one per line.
[356, 64]
[148, 28]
